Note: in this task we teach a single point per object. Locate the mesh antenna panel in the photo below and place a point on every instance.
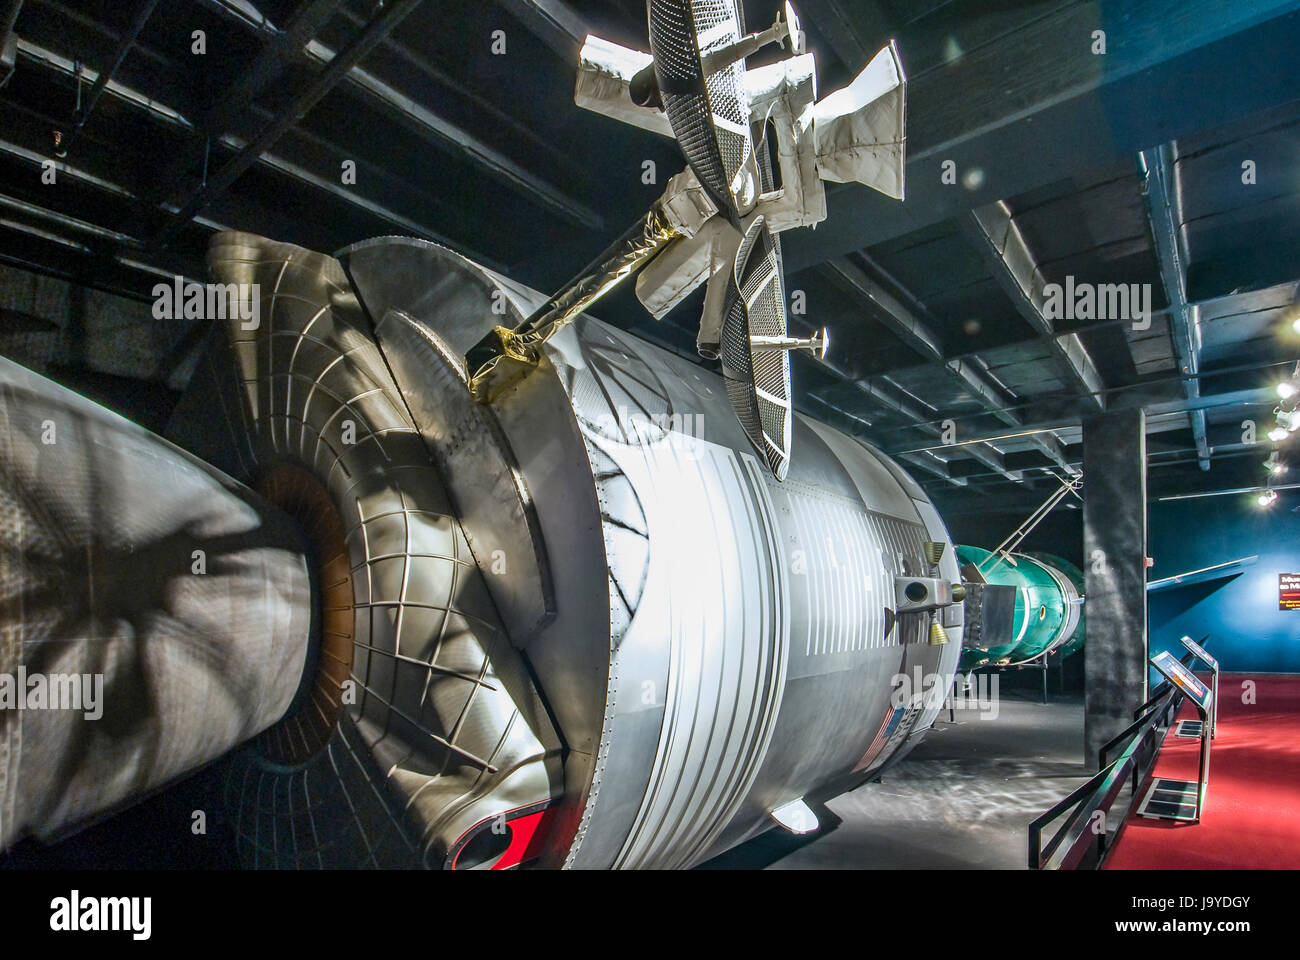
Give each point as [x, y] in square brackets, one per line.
[699, 49]
[757, 376]
[707, 110]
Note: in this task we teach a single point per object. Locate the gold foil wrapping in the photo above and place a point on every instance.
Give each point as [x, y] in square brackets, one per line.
[505, 355]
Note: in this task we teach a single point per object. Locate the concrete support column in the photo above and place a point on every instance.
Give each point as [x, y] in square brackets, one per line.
[1114, 556]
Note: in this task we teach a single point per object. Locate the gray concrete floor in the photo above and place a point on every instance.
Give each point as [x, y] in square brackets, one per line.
[962, 800]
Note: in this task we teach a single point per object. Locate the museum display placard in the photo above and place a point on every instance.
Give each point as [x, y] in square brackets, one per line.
[1200, 653]
[1166, 798]
[1288, 591]
[1203, 655]
[1185, 680]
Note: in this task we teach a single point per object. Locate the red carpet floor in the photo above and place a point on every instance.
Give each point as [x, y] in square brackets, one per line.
[1251, 817]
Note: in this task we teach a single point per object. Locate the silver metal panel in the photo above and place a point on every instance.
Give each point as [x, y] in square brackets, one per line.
[839, 662]
[849, 559]
[446, 728]
[701, 670]
[952, 616]
[718, 647]
[877, 481]
[854, 667]
[430, 283]
[642, 417]
[123, 558]
[459, 302]
[712, 593]
[488, 489]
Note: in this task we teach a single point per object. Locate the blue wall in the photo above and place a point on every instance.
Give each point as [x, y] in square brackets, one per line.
[1248, 633]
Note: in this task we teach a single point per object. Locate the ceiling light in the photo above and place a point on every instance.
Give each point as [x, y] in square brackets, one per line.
[1278, 434]
[1277, 468]
[1267, 498]
[1286, 390]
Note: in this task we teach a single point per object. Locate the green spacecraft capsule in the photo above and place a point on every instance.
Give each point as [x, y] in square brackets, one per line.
[1048, 616]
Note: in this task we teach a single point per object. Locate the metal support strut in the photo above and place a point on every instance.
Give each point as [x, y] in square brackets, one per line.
[505, 355]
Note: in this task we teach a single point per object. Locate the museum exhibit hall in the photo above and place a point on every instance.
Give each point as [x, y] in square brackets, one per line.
[682, 435]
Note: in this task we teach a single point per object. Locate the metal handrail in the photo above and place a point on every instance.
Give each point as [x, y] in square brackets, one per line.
[1067, 847]
[1160, 705]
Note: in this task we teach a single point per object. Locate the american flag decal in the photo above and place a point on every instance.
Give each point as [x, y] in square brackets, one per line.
[888, 727]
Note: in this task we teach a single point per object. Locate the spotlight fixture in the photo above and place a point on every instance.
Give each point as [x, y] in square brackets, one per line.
[1278, 434]
[1287, 389]
[1274, 465]
[1267, 498]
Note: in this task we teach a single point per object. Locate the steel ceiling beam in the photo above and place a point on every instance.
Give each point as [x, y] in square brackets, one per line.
[1087, 110]
[378, 28]
[923, 415]
[269, 64]
[554, 23]
[9, 10]
[973, 374]
[909, 328]
[1161, 417]
[1244, 456]
[499, 119]
[459, 142]
[109, 178]
[1221, 307]
[937, 466]
[1002, 247]
[930, 462]
[74, 224]
[1057, 452]
[1160, 190]
[107, 240]
[121, 276]
[265, 69]
[921, 337]
[124, 45]
[434, 129]
[840, 411]
[855, 36]
[167, 116]
[1171, 414]
[1146, 394]
[906, 406]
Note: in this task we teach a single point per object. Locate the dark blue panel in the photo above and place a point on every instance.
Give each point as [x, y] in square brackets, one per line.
[1240, 613]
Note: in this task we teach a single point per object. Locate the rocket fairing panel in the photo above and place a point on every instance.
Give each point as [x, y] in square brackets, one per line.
[710, 592]
[832, 556]
[166, 607]
[445, 727]
[721, 644]
[495, 509]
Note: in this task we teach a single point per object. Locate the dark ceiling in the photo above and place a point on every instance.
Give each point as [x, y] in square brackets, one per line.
[1117, 168]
